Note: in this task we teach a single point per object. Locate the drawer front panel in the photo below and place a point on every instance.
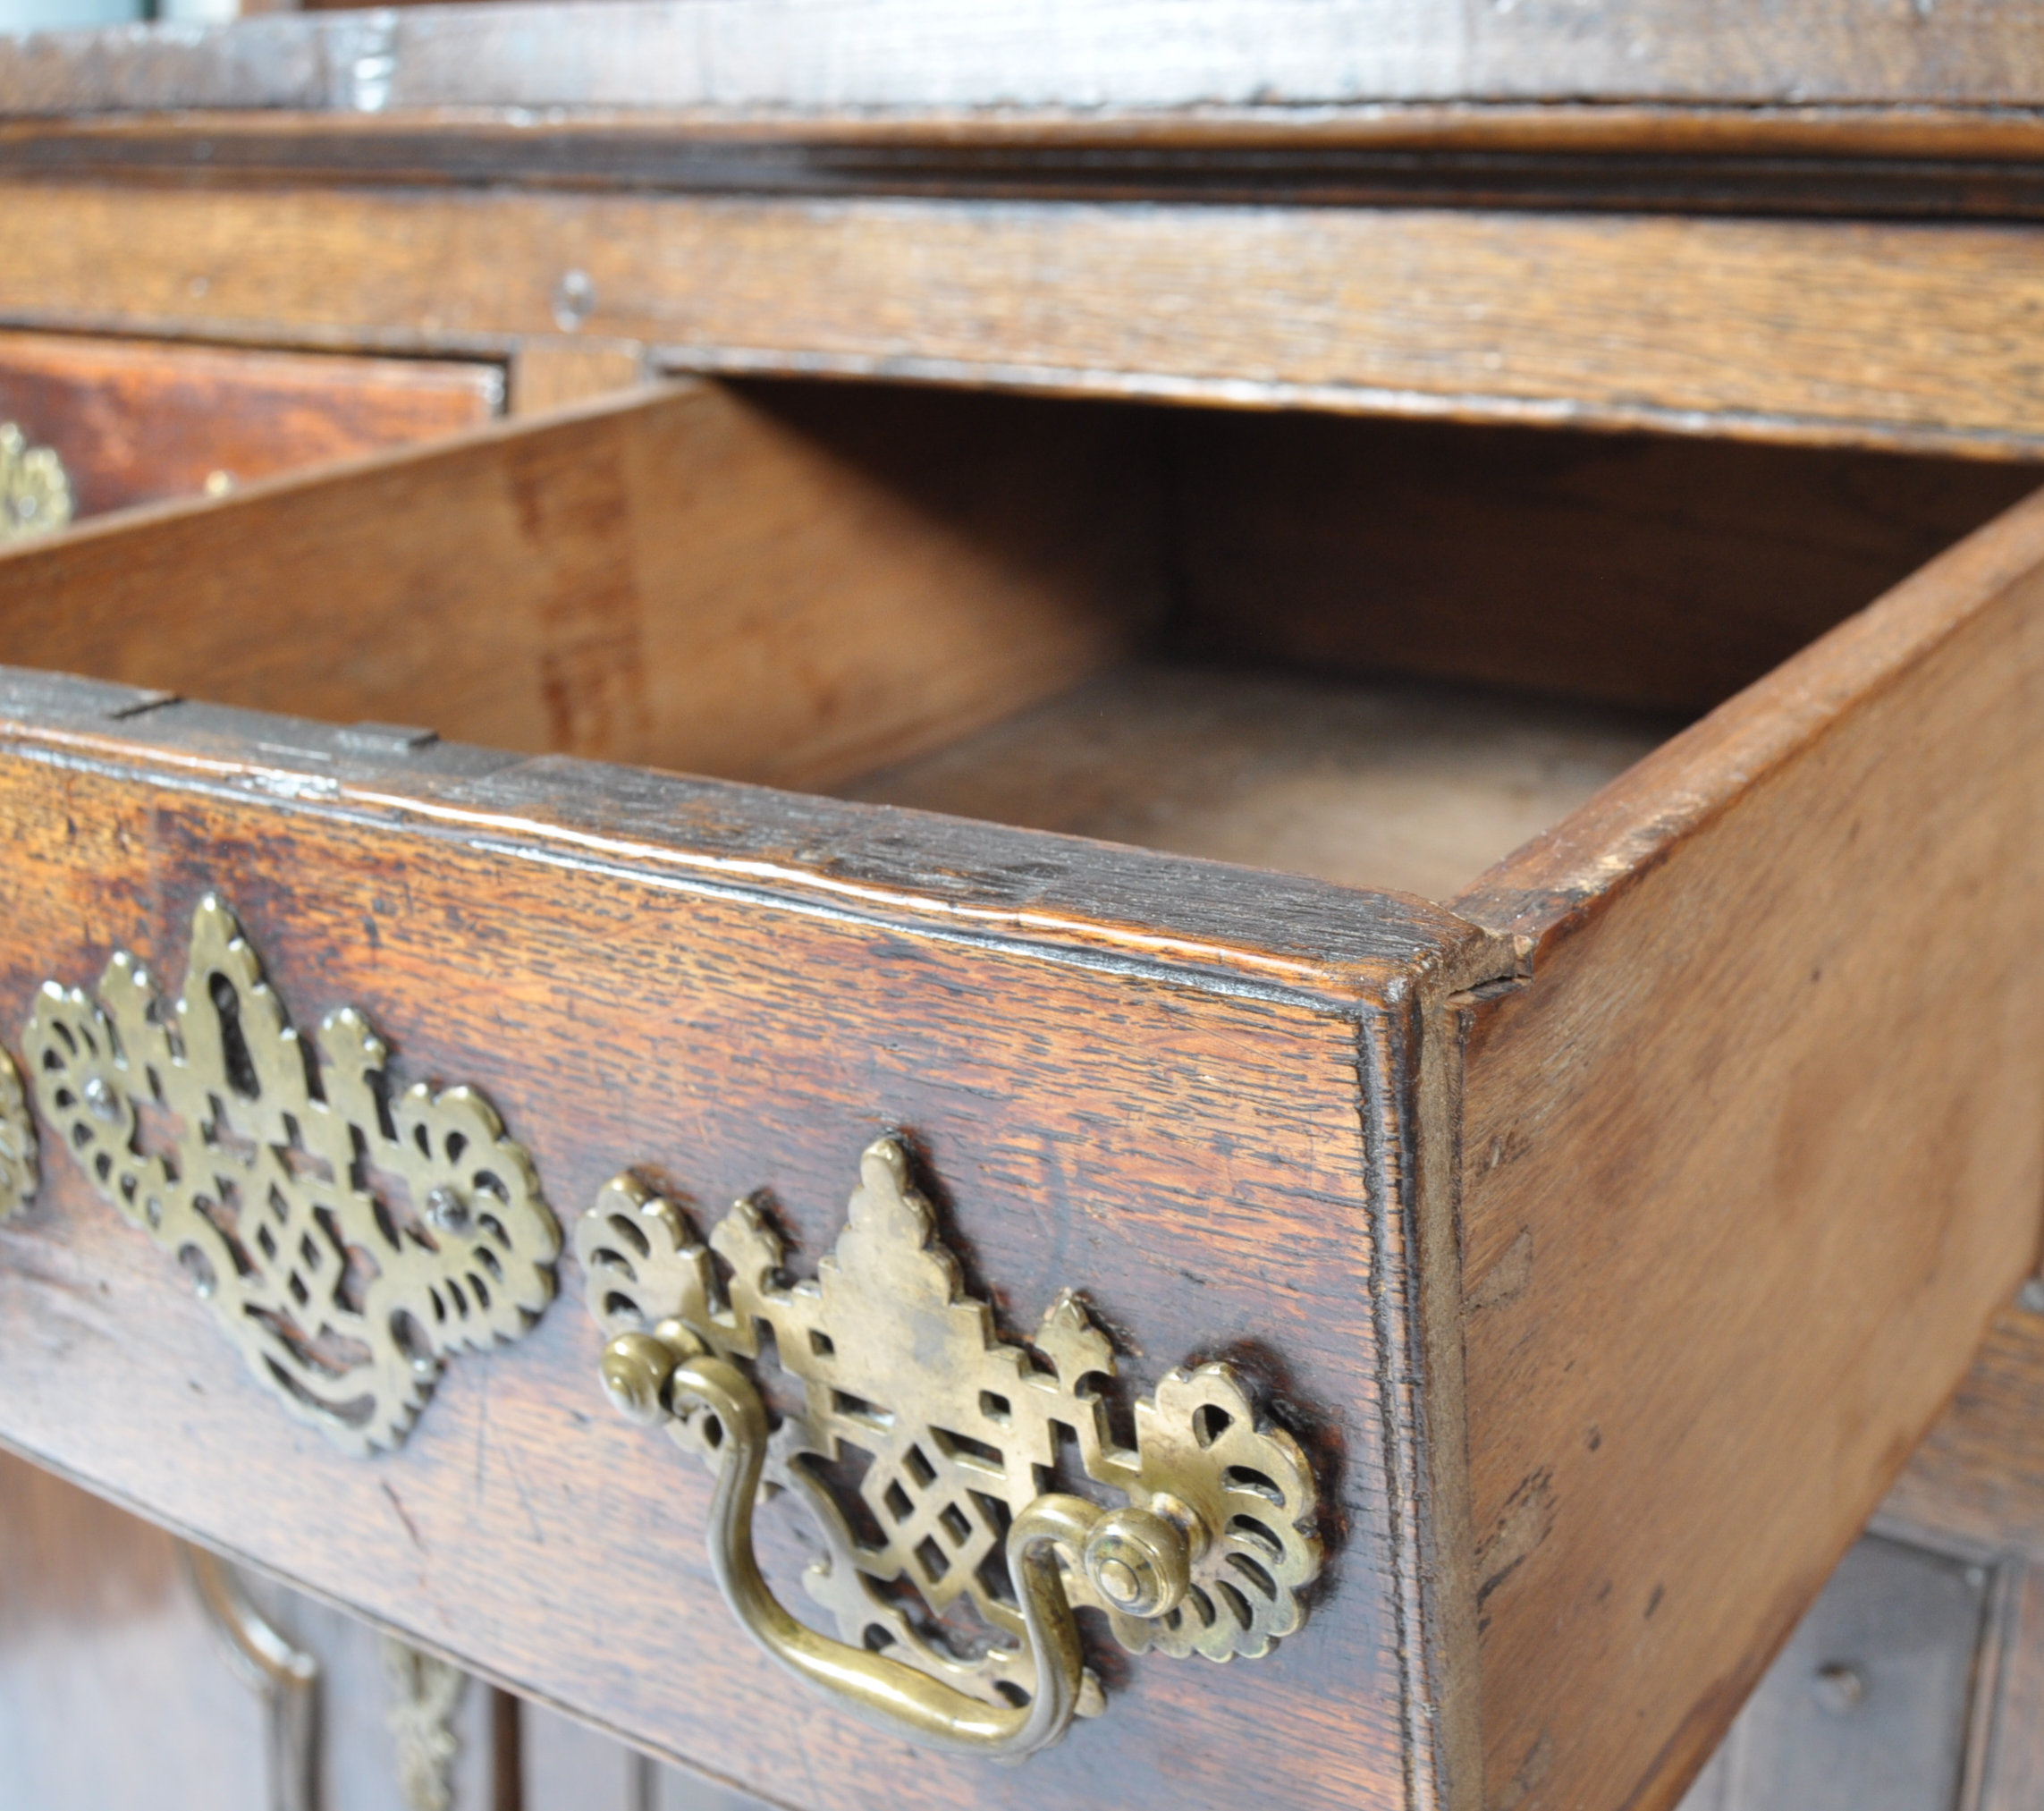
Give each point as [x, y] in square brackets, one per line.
[134, 421]
[1200, 1131]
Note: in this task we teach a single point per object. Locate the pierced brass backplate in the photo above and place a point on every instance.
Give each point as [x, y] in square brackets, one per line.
[349, 1236]
[1205, 1551]
[19, 1156]
[35, 492]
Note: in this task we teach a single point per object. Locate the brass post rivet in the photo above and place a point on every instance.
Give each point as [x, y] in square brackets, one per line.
[636, 1371]
[1118, 1579]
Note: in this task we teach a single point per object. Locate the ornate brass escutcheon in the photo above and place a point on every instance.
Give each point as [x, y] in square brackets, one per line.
[35, 491]
[349, 1236]
[1205, 1553]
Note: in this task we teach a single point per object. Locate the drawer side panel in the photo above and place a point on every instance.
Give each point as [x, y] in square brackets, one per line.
[1752, 1158]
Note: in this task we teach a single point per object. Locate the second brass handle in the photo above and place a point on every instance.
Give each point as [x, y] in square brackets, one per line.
[956, 1435]
[643, 1369]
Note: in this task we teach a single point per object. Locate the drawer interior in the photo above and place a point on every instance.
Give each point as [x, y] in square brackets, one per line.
[1378, 652]
[1387, 654]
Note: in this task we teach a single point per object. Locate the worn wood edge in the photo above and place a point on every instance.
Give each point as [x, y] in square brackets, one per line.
[815, 55]
[47, 349]
[1571, 873]
[1870, 130]
[1609, 413]
[1074, 900]
[1428, 1445]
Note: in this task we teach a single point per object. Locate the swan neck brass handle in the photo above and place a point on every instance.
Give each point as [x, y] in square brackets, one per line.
[881, 1691]
[955, 1628]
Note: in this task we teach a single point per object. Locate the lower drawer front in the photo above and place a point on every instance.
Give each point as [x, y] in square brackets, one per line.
[133, 421]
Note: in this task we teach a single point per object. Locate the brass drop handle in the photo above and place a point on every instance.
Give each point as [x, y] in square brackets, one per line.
[648, 1375]
[960, 1431]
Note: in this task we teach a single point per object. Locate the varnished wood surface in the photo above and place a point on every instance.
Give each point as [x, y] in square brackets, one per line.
[790, 589]
[1826, 332]
[1051, 53]
[135, 421]
[1761, 1133]
[1399, 787]
[737, 990]
[1648, 571]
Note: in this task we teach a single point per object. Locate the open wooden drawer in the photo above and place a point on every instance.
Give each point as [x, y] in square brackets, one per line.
[1604, 1235]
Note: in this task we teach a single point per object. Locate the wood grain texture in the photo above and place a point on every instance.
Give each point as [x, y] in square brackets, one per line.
[135, 421]
[1980, 1474]
[788, 590]
[1644, 570]
[1762, 1132]
[1830, 332]
[1192, 1090]
[807, 54]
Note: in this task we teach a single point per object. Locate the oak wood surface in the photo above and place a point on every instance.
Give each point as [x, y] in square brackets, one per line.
[553, 372]
[791, 589]
[1152, 54]
[1392, 786]
[1830, 332]
[1124, 1071]
[135, 421]
[1760, 1132]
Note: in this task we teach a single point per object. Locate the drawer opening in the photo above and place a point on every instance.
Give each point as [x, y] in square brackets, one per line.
[1390, 653]
[1384, 653]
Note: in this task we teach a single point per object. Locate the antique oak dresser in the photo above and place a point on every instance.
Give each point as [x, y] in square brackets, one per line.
[877, 866]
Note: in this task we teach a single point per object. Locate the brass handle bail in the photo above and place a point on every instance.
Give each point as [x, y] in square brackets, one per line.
[883, 1692]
